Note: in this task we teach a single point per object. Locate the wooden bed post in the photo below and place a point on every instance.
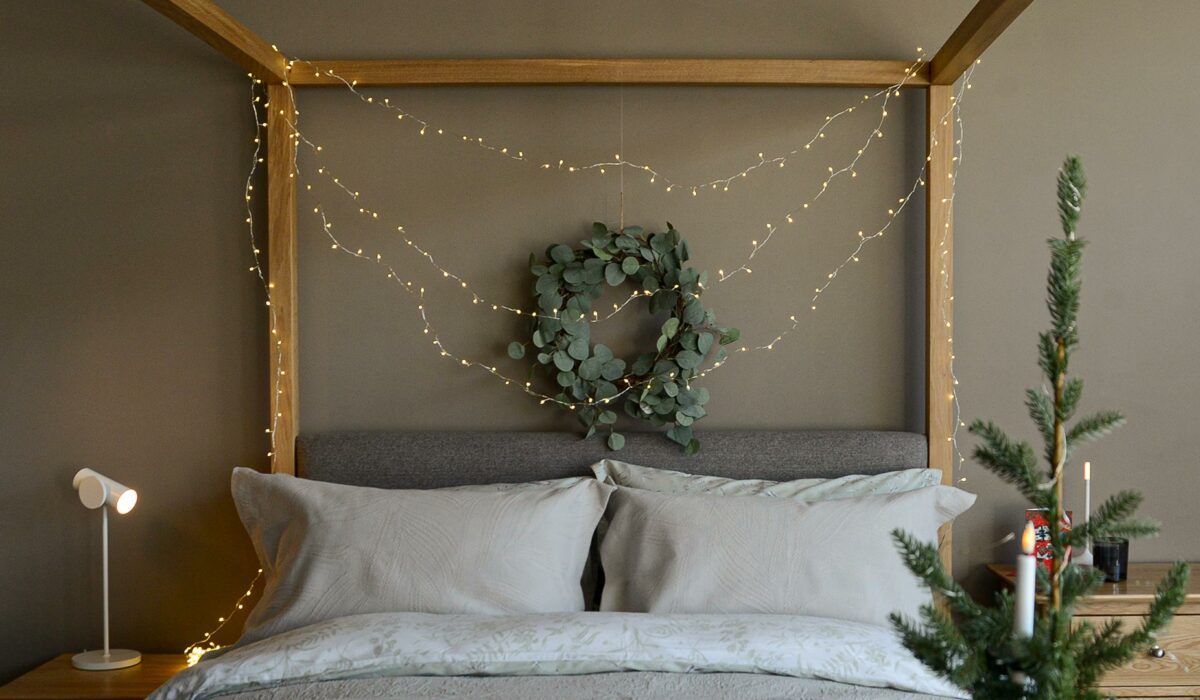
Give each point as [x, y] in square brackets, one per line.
[986, 21]
[281, 256]
[939, 292]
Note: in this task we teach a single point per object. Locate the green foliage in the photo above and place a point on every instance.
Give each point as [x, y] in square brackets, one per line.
[654, 386]
[972, 645]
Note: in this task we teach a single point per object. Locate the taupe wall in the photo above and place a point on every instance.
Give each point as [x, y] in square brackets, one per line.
[134, 335]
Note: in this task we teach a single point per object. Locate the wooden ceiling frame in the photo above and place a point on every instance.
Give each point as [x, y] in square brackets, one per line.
[983, 25]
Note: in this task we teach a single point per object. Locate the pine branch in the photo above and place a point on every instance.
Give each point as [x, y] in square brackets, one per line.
[1072, 186]
[1072, 392]
[923, 560]
[937, 643]
[1041, 411]
[1114, 518]
[1114, 651]
[1013, 462]
[1095, 426]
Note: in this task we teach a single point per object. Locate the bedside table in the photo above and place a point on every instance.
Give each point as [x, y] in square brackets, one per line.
[57, 679]
[1146, 676]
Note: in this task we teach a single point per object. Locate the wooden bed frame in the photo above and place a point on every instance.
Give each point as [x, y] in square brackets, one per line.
[977, 31]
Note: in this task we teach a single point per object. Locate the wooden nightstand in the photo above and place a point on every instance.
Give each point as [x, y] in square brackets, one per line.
[1147, 676]
[57, 679]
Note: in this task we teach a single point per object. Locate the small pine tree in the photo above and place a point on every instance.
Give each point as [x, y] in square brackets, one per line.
[972, 645]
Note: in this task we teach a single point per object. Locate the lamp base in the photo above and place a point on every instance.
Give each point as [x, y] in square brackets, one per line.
[99, 661]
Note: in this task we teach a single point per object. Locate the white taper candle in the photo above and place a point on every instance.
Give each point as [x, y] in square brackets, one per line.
[1026, 585]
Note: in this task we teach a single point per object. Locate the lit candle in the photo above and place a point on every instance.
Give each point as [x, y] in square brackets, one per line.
[1026, 585]
[1085, 558]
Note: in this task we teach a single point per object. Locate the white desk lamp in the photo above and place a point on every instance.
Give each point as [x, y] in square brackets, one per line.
[98, 491]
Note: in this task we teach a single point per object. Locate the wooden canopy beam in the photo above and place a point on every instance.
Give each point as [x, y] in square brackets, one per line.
[611, 71]
[225, 34]
[986, 21]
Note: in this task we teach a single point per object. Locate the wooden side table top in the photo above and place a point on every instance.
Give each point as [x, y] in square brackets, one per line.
[1129, 597]
[57, 679]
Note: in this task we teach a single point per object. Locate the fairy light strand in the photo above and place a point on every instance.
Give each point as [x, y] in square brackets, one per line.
[196, 651]
[719, 184]
[756, 245]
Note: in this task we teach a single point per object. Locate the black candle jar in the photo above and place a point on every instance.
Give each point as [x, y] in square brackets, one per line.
[1111, 557]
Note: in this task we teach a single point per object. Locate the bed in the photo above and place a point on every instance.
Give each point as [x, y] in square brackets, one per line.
[575, 655]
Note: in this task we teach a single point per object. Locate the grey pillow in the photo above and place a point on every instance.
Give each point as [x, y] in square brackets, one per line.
[680, 553]
[329, 550]
[618, 473]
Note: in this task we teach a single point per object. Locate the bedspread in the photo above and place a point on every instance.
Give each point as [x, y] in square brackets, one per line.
[393, 654]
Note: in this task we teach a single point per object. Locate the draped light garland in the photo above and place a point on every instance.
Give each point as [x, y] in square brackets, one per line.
[789, 217]
[195, 651]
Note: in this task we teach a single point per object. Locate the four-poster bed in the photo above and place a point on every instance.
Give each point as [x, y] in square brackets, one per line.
[985, 22]
[403, 461]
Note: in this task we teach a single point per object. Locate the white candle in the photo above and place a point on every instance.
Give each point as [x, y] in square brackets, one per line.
[1084, 558]
[1026, 585]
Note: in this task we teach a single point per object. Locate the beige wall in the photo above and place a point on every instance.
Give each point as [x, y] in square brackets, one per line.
[134, 334]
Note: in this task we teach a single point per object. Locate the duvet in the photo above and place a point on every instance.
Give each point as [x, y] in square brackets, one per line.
[382, 646]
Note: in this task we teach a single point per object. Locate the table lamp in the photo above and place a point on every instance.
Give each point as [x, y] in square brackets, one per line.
[99, 491]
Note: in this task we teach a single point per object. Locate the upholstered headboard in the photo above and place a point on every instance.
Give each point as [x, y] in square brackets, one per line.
[422, 460]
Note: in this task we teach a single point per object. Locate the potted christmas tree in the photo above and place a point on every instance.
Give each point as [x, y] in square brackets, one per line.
[973, 645]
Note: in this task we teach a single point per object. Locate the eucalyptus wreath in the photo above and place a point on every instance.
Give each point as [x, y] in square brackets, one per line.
[656, 386]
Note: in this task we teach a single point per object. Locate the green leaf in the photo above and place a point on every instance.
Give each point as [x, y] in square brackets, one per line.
[704, 343]
[607, 417]
[578, 349]
[661, 343]
[516, 350]
[616, 441]
[633, 230]
[613, 369]
[681, 434]
[565, 379]
[692, 448]
[589, 369]
[599, 230]
[671, 389]
[729, 335]
[629, 265]
[693, 312]
[543, 358]
[562, 254]
[602, 353]
[563, 361]
[538, 341]
[546, 284]
[613, 274]
[688, 359]
[573, 275]
[670, 327]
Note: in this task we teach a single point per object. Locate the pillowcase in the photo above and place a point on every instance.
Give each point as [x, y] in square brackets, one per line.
[611, 471]
[680, 553]
[329, 550]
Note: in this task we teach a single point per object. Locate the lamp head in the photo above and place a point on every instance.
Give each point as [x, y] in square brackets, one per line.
[96, 490]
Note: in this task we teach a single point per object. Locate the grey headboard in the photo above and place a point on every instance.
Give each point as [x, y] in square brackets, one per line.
[423, 460]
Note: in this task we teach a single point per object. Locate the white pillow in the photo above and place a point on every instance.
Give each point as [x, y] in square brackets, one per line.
[611, 471]
[329, 550]
[677, 553]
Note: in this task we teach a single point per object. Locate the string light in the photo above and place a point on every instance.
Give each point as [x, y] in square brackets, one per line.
[654, 176]
[196, 651]
[526, 386]
[788, 218]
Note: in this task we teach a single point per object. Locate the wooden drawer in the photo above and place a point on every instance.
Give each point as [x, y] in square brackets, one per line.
[1180, 666]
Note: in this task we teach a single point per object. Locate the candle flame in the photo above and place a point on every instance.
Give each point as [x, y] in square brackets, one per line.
[1027, 539]
[1087, 471]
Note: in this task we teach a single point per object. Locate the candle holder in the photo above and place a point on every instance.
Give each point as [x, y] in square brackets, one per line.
[1112, 557]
